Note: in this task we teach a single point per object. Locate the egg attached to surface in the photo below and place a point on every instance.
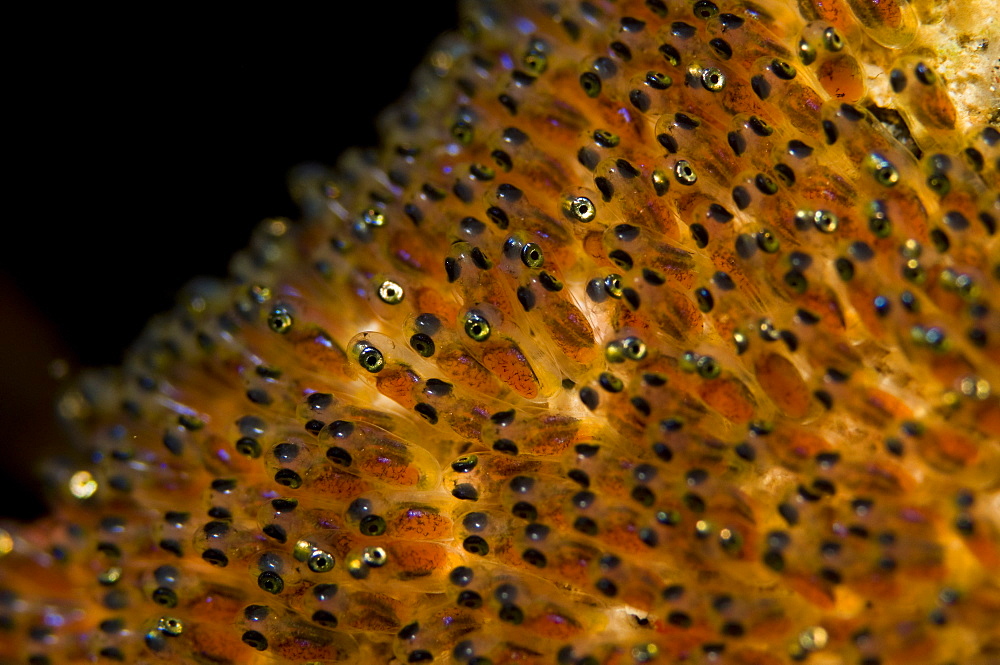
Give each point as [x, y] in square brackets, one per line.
[653, 332]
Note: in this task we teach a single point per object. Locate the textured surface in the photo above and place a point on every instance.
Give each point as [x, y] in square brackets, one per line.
[652, 333]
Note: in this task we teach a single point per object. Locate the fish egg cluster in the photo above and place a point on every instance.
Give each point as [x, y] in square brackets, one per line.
[660, 331]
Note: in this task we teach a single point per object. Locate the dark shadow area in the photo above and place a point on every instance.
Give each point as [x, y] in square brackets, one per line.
[144, 157]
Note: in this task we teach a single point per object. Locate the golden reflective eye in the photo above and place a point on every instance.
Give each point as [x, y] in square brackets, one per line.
[661, 183]
[535, 62]
[390, 292]
[82, 485]
[110, 576]
[531, 255]
[610, 382]
[845, 269]
[730, 541]
[967, 288]
[940, 240]
[814, 638]
[914, 272]
[279, 320]
[477, 545]
[713, 79]
[372, 525]
[705, 9]
[807, 54]
[634, 348]
[832, 40]
[170, 626]
[878, 220]
[357, 569]
[768, 242]
[782, 69]
[422, 344]
[371, 359]
[759, 127]
[502, 160]
[614, 352]
[581, 209]
[705, 299]
[320, 561]
[303, 550]
[765, 185]
[613, 285]
[482, 172]
[885, 173]
[741, 341]
[785, 174]
[590, 83]
[288, 478]
[271, 582]
[462, 131]
[644, 653]
[684, 172]
[796, 281]
[924, 74]
[248, 446]
[465, 463]
[948, 278]
[260, 294]
[605, 139]
[253, 639]
[477, 327]
[670, 54]
[972, 386]
[707, 367]
[658, 80]
[911, 249]
[825, 221]
[165, 597]
[373, 217]
[939, 184]
[375, 557]
[621, 258]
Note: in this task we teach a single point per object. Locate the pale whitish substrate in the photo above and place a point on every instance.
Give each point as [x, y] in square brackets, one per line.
[961, 42]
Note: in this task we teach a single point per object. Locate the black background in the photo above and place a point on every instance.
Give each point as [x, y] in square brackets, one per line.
[144, 148]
